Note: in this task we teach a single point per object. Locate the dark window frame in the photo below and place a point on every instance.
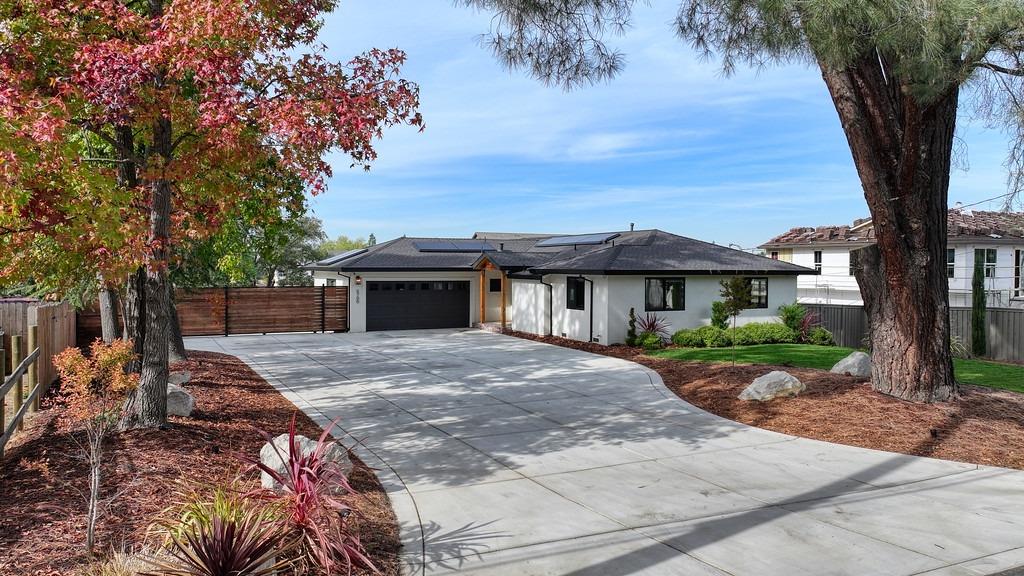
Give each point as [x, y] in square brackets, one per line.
[1018, 273]
[331, 282]
[663, 281]
[817, 260]
[575, 293]
[989, 268]
[491, 285]
[950, 262]
[758, 304]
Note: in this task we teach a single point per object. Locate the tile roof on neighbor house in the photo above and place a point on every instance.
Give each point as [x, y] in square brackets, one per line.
[631, 252]
[961, 225]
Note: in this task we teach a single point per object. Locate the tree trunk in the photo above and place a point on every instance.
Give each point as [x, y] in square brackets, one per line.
[134, 305]
[270, 278]
[902, 149]
[109, 323]
[176, 351]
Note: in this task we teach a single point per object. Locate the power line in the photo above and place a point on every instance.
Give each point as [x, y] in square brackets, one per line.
[988, 200]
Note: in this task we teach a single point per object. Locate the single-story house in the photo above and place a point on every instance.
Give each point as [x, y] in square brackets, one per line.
[577, 286]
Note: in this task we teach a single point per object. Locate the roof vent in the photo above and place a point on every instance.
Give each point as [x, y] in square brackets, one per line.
[631, 225]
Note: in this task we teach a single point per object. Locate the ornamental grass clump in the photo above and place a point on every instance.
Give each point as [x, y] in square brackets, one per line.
[314, 502]
[92, 392]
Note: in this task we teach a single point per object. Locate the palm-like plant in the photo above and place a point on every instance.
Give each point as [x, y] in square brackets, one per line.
[653, 324]
[246, 546]
[314, 499]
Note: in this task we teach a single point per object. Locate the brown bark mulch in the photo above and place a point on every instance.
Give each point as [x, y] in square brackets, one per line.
[985, 426]
[43, 478]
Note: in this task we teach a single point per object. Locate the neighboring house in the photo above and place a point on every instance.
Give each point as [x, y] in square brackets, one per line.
[998, 237]
[580, 286]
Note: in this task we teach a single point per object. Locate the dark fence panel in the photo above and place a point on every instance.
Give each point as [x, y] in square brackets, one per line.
[1005, 326]
[225, 311]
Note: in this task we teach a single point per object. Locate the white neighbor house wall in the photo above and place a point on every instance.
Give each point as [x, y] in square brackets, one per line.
[615, 295]
[357, 294]
[835, 285]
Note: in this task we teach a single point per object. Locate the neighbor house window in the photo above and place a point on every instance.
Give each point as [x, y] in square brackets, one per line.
[950, 263]
[1018, 273]
[574, 299]
[817, 260]
[332, 282]
[852, 267]
[988, 256]
[495, 285]
[775, 254]
[665, 294]
[758, 292]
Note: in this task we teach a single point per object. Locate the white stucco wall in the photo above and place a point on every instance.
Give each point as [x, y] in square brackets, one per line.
[529, 307]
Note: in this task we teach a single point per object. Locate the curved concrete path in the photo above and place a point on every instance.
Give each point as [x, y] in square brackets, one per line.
[506, 456]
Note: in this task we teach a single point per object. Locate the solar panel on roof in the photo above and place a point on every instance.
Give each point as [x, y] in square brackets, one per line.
[579, 239]
[339, 257]
[453, 246]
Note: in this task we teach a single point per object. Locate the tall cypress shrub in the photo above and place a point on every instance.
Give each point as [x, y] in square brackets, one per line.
[978, 305]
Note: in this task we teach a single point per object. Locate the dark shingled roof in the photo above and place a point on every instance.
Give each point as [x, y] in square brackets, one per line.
[961, 224]
[633, 252]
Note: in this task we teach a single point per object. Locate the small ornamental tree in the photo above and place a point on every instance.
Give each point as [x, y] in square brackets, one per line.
[735, 299]
[978, 303]
[93, 390]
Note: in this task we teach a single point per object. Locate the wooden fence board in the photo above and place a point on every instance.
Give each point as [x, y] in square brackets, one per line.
[220, 311]
[1005, 337]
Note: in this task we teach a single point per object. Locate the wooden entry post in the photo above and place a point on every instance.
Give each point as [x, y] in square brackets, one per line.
[483, 296]
[504, 279]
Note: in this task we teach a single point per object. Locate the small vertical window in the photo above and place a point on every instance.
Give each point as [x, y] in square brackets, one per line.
[988, 257]
[574, 297]
[1018, 273]
[332, 282]
[495, 285]
[817, 260]
[853, 269]
[950, 263]
[758, 292]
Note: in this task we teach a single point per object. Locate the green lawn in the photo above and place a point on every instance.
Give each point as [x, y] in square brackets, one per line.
[980, 372]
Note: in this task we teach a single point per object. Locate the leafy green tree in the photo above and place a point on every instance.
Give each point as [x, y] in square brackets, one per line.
[343, 244]
[895, 72]
[736, 295]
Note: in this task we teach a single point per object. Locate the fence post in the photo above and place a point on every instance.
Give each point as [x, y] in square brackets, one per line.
[32, 375]
[3, 377]
[19, 390]
[226, 310]
[323, 309]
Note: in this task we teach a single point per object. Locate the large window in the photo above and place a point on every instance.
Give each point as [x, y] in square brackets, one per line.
[988, 256]
[758, 292]
[817, 260]
[665, 294]
[574, 295]
[950, 263]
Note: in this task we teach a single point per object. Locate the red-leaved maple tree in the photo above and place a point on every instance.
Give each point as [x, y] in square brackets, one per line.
[127, 125]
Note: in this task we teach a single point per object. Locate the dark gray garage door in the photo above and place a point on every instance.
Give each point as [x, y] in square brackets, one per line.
[416, 305]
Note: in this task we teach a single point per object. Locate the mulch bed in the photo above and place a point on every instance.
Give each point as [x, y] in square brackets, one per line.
[43, 479]
[985, 426]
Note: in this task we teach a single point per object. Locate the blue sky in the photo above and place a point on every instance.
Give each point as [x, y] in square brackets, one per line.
[669, 144]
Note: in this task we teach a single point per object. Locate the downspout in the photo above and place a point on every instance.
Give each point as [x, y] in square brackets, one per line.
[551, 304]
[591, 282]
[348, 303]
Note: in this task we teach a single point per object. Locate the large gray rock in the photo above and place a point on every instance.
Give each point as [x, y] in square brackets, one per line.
[775, 384]
[856, 364]
[273, 458]
[179, 401]
[179, 378]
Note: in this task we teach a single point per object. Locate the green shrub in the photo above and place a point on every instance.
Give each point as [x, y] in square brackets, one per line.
[719, 315]
[821, 337]
[762, 333]
[688, 338]
[650, 341]
[792, 315]
[714, 337]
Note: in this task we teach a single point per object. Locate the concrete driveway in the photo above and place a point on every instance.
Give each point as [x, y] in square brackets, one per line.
[506, 456]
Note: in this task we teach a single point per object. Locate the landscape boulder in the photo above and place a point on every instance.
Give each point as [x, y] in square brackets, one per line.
[856, 364]
[775, 384]
[179, 378]
[179, 401]
[273, 458]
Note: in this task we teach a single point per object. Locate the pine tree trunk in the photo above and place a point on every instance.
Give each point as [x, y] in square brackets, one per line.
[902, 152]
[109, 324]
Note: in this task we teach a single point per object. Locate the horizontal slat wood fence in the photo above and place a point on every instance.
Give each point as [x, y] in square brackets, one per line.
[1005, 341]
[226, 311]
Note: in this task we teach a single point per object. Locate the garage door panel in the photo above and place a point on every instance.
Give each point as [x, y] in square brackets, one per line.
[417, 305]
